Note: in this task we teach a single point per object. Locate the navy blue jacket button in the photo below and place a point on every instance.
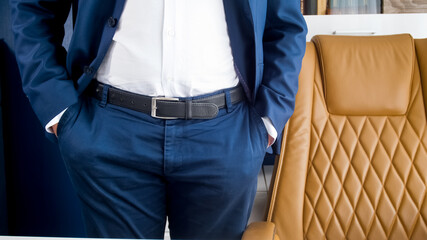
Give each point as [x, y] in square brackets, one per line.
[112, 22]
[88, 70]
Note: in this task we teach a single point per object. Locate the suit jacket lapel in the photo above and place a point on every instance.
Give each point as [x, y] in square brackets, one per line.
[242, 40]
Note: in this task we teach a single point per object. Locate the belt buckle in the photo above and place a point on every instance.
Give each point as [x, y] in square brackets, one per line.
[154, 106]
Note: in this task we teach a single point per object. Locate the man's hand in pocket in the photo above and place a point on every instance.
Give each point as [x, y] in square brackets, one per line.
[55, 128]
[270, 140]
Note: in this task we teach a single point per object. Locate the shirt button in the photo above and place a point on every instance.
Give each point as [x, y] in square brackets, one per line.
[88, 70]
[171, 33]
[112, 22]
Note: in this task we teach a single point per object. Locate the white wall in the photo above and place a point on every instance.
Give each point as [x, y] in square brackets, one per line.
[368, 24]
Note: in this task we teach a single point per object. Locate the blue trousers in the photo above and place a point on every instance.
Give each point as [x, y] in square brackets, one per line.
[131, 171]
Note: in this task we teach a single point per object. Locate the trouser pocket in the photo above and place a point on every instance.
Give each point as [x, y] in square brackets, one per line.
[259, 124]
[69, 115]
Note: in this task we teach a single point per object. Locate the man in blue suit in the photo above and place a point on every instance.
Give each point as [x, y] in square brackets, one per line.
[162, 107]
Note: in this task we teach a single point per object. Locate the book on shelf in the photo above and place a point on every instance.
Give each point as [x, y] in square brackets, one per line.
[404, 6]
[354, 6]
[323, 7]
[302, 6]
[309, 7]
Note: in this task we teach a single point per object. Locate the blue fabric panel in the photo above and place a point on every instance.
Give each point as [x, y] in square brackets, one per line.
[5, 38]
[40, 198]
[3, 208]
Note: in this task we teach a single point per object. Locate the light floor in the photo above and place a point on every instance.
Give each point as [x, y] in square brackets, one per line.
[258, 209]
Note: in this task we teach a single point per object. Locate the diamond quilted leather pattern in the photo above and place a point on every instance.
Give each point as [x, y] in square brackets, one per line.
[366, 176]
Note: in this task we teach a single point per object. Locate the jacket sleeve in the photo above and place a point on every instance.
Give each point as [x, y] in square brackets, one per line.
[284, 47]
[38, 29]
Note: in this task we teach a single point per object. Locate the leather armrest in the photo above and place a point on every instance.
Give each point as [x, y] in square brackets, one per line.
[260, 231]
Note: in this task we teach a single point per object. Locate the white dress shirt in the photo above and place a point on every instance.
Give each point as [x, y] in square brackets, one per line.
[171, 48]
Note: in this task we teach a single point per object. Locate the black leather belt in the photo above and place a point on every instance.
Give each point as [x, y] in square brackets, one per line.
[169, 108]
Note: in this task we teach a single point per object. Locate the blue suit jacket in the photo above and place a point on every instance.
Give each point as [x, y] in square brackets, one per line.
[267, 40]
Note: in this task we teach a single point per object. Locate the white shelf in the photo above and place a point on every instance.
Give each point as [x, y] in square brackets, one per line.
[368, 24]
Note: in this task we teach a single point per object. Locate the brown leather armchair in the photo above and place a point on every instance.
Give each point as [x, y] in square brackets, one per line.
[354, 154]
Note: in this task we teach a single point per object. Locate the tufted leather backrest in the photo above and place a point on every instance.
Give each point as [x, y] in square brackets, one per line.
[370, 76]
[353, 165]
[421, 50]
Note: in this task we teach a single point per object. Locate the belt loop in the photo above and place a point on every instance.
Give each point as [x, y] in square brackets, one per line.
[228, 100]
[188, 110]
[104, 98]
